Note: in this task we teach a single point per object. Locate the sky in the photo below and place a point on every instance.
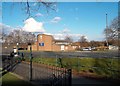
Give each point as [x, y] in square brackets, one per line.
[72, 18]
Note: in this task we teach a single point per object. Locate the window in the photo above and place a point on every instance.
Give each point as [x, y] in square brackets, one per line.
[41, 44]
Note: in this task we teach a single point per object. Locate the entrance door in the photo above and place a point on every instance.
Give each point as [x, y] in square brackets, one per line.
[62, 47]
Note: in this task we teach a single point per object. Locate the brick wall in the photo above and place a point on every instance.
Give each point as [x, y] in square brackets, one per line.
[56, 47]
[46, 43]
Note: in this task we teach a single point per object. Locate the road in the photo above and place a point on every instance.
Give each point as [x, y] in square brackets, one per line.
[94, 54]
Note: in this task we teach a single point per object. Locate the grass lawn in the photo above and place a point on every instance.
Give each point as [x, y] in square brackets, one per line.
[106, 67]
[11, 80]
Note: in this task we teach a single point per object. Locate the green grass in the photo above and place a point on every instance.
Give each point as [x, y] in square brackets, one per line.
[107, 67]
[11, 80]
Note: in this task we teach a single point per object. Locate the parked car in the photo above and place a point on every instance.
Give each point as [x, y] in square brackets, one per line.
[15, 52]
[86, 49]
[93, 49]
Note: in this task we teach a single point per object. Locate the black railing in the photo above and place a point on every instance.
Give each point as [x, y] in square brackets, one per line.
[45, 75]
[52, 75]
[8, 63]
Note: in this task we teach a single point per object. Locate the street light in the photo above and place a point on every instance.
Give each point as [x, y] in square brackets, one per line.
[30, 78]
[17, 48]
[30, 41]
[107, 30]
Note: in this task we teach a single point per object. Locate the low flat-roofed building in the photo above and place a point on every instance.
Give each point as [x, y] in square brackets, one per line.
[48, 43]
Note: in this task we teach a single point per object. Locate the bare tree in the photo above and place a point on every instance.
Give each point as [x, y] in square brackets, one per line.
[115, 27]
[109, 33]
[9, 39]
[2, 36]
[28, 7]
[82, 39]
[29, 38]
[96, 43]
[20, 36]
[112, 32]
[68, 38]
[92, 43]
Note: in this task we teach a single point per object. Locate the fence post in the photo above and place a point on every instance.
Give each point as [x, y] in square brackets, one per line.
[69, 77]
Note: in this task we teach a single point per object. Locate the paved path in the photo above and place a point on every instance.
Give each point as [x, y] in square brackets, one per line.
[41, 75]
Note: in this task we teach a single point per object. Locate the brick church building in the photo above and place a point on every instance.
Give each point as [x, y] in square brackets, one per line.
[48, 43]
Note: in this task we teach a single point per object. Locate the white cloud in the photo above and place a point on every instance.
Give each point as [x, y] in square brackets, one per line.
[66, 30]
[56, 19]
[5, 28]
[38, 15]
[76, 35]
[31, 25]
[60, 36]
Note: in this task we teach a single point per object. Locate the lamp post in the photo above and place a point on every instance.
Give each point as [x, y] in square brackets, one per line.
[107, 30]
[17, 48]
[30, 40]
[30, 78]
